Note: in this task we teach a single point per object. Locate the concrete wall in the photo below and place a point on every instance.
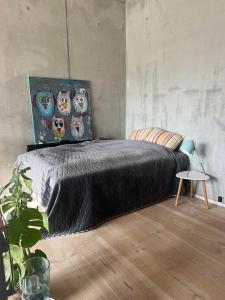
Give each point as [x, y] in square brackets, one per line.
[176, 74]
[97, 52]
[33, 42]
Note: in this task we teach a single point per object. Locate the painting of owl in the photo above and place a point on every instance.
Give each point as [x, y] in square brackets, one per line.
[43, 128]
[80, 101]
[64, 103]
[44, 101]
[77, 127]
[61, 109]
[58, 127]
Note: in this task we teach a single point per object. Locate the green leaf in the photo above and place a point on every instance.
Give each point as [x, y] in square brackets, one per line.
[25, 177]
[25, 229]
[7, 265]
[31, 217]
[18, 258]
[28, 184]
[45, 220]
[30, 237]
[9, 214]
[17, 186]
[21, 235]
[25, 197]
[10, 198]
[5, 187]
[16, 277]
[15, 229]
[13, 281]
[24, 170]
[38, 253]
[7, 205]
[15, 177]
[17, 253]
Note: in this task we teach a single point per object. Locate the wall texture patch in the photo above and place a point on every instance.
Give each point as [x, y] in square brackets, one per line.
[180, 45]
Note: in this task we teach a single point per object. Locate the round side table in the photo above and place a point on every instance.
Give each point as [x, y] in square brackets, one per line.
[192, 176]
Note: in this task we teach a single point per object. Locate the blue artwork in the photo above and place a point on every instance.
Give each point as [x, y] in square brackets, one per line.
[45, 103]
[60, 109]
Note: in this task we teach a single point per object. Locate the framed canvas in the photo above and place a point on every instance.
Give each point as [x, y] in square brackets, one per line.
[60, 109]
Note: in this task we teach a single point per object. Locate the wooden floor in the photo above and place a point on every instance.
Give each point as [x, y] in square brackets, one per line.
[160, 252]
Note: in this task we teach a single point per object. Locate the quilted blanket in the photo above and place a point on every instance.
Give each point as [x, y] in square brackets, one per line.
[82, 185]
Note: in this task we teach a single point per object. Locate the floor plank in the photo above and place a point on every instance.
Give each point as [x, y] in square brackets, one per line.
[160, 252]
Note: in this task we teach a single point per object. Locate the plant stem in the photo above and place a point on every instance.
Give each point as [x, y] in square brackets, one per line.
[28, 252]
[5, 230]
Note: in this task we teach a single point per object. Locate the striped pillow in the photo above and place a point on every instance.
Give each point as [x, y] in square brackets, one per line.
[165, 138]
[140, 135]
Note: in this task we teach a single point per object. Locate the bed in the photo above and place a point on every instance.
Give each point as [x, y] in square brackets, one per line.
[82, 185]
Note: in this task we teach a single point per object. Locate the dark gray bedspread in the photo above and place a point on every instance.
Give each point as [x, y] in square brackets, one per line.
[82, 185]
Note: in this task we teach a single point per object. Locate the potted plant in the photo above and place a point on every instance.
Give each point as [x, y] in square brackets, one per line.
[23, 225]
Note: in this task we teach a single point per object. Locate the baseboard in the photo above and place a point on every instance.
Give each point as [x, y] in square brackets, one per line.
[210, 200]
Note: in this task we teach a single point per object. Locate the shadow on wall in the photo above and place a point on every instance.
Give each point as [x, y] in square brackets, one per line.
[201, 148]
[219, 123]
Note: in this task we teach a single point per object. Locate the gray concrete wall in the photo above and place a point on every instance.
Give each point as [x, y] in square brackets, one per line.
[176, 74]
[97, 52]
[33, 42]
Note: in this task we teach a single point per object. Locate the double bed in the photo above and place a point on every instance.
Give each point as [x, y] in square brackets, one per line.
[82, 185]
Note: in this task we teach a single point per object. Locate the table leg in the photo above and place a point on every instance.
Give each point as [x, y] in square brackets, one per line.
[205, 193]
[178, 192]
[191, 189]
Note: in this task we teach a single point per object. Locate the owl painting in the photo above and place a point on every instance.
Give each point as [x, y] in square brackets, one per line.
[43, 128]
[44, 101]
[58, 127]
[77, 127]
[80, 101]
[61, 109]
[64, 103]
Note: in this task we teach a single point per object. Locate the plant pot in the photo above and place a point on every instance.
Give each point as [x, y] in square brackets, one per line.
[35, 283]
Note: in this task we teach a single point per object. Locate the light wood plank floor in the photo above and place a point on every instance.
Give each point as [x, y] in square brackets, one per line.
[160, 252]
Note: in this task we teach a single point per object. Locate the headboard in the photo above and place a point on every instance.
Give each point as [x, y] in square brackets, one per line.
[41, 146]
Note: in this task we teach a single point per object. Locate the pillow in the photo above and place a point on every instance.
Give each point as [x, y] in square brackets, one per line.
[165, 138]
[140, 135]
